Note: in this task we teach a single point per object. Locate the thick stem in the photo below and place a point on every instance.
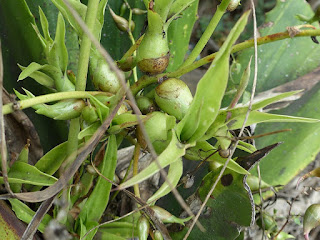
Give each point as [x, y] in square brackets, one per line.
[221, 9]
[81, 82]
[147, 80]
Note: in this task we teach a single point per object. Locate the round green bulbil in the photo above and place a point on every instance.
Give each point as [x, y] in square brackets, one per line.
[174, 97]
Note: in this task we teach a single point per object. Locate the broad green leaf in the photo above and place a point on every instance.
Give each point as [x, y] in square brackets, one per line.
[123, 230]
[99, 198]
[241, 110]
[261, 117]
[203, 150]
[174, 174]
[25, 214]
[174, 151]
[228, 208]
[300, 146]
[22, 172]
[216, 78]
[285, 60]
[179, 34]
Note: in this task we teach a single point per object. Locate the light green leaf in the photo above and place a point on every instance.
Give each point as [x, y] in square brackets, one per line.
[61, 49]
[25, 214]
[203, 150]
[38, 76]
[174, 174]
[45, 26]
[215, 79]
[260, 117]
[22, 172]
[53, 159]
[99, 198]
[89, 131]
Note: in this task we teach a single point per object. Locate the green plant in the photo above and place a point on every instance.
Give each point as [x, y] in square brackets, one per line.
[174, 123]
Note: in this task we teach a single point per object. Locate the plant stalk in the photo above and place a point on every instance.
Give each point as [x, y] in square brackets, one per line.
[19, 105]
[147, 80]
[221, 9]
[83, 64]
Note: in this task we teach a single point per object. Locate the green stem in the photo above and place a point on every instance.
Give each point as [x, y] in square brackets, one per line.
[221, 9]
[11, 107]
[147, 80]
[83, 64]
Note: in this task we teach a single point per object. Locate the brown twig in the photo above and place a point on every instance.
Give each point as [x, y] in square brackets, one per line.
[2, 133]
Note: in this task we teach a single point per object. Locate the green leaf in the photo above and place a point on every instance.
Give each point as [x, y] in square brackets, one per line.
[300, 146]
[174, 151]
[174, 174]
[89, 131]
[99, 198]
[179, 33]
[25, 214]
[283, 61]
[45, 26]
[260, 117]
[21, 172]
[229, 207]
[241, 110]
[203, 150]
[215, 78]
[39, 77]
[53, 159]
[61, 49]
[123, 230]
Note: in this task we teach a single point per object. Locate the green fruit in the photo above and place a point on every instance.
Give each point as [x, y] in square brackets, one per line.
[158, 128]
[89, 114]
[146, 105]
[102, 77]
[153, 51]
[174, 97]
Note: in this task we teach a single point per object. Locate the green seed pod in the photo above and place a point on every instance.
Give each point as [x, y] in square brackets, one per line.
[89, 114]
[146, 105]
[138, 11]
[122, 23]
[153, 51]
[167, 217]
[311, 219]
[102, 77]
[157, 235]
[63, 110]
[158, 128]
[233, 5]
[123, 9]
[174, 97]
[143, 227]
